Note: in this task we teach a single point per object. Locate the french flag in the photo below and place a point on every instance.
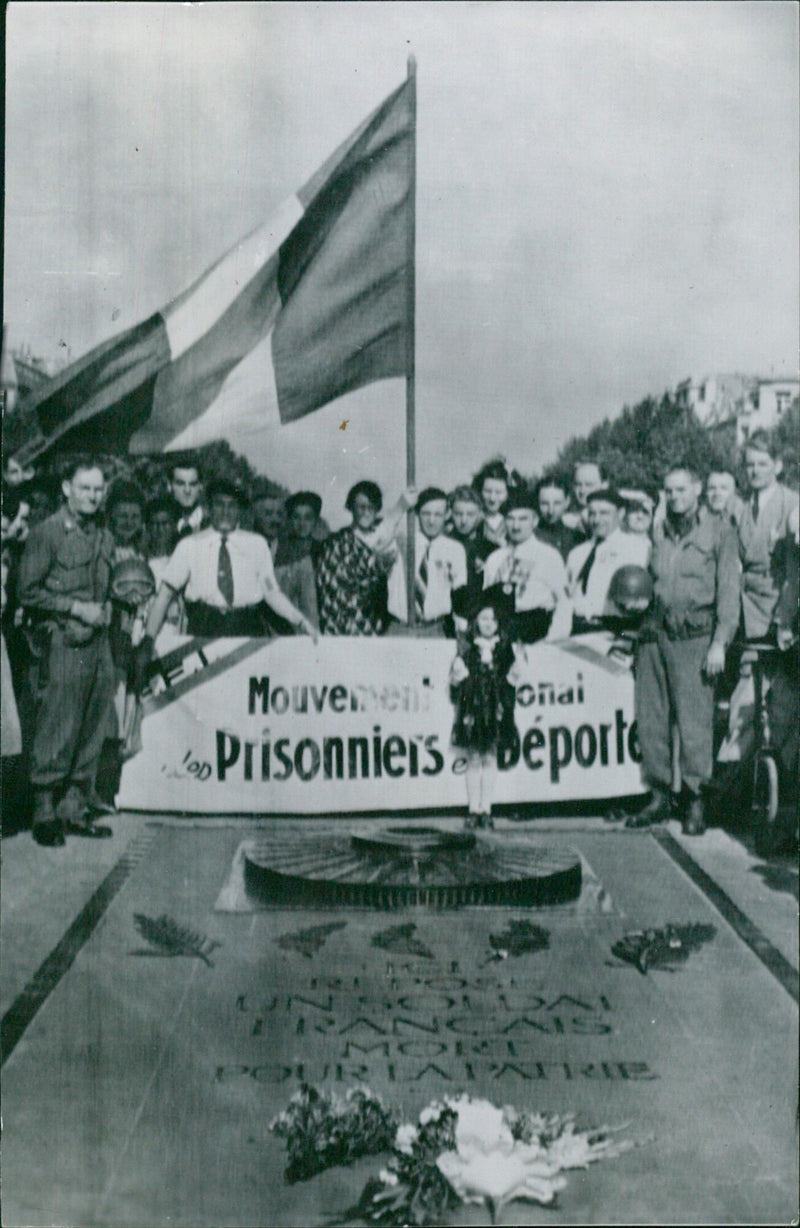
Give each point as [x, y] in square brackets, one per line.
[311, 305]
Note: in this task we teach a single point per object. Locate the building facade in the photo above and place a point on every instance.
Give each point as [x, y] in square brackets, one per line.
[739, 404]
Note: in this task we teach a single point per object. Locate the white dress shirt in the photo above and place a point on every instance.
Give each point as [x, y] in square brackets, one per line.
[193, 566]
[447, 569]
[193, 521]
[539, 578]
[618, 550]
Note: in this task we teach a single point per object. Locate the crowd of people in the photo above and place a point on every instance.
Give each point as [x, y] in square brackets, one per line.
[93, 570]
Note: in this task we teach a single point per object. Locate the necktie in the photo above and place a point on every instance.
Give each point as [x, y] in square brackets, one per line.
[755, 506]
[583, 574]
[421, 583]
[225, 571]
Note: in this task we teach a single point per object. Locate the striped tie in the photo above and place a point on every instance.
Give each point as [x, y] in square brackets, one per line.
[421, 583]
[225, 572]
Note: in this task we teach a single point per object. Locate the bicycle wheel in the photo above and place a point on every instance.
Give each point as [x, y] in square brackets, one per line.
[765, 800]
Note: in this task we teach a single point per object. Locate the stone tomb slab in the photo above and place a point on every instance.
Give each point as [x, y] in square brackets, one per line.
[141, 1091]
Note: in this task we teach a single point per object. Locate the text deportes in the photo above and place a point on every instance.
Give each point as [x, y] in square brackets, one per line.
[373, 756]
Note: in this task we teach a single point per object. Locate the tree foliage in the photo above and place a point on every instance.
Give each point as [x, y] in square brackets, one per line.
[786, 436]
[636, 448]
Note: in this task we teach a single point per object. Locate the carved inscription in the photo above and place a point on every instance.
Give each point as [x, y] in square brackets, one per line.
[419, 1024]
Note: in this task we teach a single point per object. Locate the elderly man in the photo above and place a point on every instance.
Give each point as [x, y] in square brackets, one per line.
[682, 647]
[586, 477]
[64, 586]
[552, 498]
[186, 488]
[591, 565]
[536, 573]
[226, 576]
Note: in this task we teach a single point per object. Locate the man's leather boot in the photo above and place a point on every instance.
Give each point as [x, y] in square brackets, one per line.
[47, 827]
[695, 822]
[656, 811]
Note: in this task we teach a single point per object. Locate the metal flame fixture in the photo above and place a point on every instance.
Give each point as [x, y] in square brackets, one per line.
[406, 867]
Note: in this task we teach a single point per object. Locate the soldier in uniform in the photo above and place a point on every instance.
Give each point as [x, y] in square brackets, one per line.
[64, 587]
[682, 648]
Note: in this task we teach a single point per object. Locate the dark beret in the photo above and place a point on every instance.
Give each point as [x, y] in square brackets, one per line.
[606, 494]
[519, 498]
[226, 486]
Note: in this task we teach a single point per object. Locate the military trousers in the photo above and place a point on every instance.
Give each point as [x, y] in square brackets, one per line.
[73, 688]
[671, 688]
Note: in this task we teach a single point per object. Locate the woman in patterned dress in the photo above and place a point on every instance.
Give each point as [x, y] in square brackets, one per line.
[354, 564]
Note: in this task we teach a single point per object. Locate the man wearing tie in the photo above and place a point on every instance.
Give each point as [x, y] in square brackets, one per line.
[226, 575]
[592, 564]
[535, 572]
[441, 565]
[763, 527]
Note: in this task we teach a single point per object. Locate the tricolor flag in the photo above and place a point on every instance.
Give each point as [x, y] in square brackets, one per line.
[309, 306]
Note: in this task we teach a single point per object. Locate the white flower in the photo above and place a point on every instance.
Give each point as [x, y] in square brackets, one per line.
[480, 1126]
[387, 1177]
[431, 1112]
[498, 1177]
[405, 1138]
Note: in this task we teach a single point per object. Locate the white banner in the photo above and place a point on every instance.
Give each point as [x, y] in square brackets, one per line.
[284, 726]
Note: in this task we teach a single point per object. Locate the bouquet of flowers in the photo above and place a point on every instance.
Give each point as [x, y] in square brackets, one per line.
[469, 1151]
[323, 1130]
[662, 948]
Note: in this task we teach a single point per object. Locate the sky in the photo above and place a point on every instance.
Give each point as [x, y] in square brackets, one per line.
[607, 199]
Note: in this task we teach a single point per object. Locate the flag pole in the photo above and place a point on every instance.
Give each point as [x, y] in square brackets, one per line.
[411, 466]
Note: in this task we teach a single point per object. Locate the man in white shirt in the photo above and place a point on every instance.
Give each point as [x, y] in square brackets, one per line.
[226, 576]
[441, 563]
[535, 571]
[185, 488]
[440, 567]
[592, 564]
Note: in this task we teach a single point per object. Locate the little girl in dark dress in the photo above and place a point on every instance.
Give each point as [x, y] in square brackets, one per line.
[482, 685]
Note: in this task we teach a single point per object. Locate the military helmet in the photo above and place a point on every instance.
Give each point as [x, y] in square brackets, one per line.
[631, 588]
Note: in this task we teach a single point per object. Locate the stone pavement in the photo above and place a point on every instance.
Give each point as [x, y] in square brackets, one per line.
[137, 1089]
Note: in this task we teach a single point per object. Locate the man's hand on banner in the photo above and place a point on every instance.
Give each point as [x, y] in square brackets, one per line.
[142, 656]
